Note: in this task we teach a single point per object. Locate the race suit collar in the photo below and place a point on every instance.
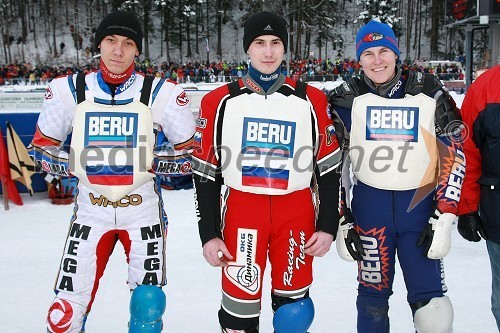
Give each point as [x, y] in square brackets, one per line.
[112, 88]
[115, 78]
[390, 89]
[264, 80]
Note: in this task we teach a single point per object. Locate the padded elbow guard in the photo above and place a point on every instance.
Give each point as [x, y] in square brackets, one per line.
[147, 306]
[294, 317]
[435, 317]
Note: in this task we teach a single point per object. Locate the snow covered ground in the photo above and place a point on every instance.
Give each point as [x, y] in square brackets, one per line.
[31, 243]
[32, 238]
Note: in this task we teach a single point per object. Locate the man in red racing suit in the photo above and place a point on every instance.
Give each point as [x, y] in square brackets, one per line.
[265, 143]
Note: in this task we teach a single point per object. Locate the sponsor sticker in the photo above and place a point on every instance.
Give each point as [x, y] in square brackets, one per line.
[48, 93]
[182, 99]
[245, 272]
[330, 135]
[392, 123]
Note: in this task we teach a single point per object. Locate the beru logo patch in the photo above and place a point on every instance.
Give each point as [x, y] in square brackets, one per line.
[110, 129]
[268, 137]
[392, 123]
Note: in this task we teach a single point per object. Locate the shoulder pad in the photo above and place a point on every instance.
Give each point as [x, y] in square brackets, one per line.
[417, 82]
[447, 113]
[344, 94]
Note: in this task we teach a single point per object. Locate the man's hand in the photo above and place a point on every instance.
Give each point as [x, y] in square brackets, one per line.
[349, 245]
[436, 236]
[216, 253]
[319, 244]
[470, 227]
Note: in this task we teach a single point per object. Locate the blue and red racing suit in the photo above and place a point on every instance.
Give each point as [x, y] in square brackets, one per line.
[401, 138]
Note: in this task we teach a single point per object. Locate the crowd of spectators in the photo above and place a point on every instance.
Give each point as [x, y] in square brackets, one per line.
[443, 71]
[221, 71]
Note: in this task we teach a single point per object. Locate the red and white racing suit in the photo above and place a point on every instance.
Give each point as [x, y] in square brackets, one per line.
[267, 151]
[137, 219]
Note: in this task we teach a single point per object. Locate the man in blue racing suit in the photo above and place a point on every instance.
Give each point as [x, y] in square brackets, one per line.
[401, 182]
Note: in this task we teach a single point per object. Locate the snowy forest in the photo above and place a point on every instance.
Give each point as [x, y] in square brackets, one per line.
[42, 31]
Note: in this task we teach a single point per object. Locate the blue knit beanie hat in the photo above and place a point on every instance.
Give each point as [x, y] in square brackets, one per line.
[374, 34]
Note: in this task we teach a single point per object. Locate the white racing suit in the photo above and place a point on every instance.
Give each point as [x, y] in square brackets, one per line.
[131, 210]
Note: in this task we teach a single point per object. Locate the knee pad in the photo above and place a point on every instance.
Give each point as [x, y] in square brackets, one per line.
[434, 317]
[147, 305]
[295, 317]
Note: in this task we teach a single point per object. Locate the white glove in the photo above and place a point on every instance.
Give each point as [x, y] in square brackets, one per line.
[437, 235]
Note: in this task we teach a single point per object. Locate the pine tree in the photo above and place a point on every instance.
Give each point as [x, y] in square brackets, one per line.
[172, 32]
[383, 11]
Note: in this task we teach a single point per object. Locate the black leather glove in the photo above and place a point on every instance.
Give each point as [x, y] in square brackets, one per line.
[425, 238]
[354, 245]
[471, 227]
[349, 245]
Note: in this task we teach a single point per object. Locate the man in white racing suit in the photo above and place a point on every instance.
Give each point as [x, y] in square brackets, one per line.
[116, 117]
